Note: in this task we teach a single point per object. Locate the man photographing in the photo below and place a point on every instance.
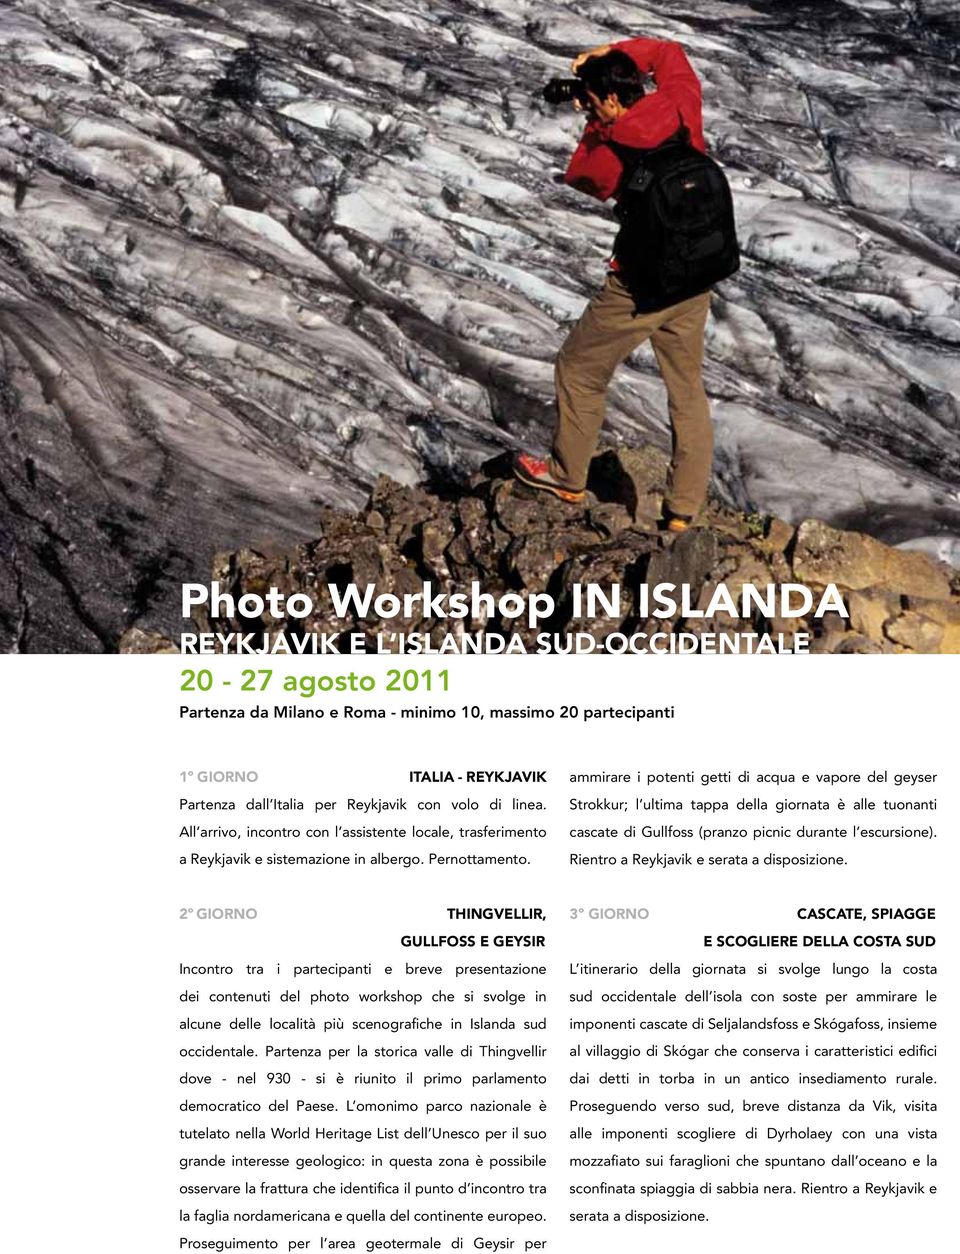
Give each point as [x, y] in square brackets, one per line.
[676, 239]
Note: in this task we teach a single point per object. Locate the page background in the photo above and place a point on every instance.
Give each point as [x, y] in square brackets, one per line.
[93, 892]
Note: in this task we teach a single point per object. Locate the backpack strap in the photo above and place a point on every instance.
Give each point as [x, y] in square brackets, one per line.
[630, 158]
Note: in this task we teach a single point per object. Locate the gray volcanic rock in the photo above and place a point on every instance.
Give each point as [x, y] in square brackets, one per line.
[253, 255]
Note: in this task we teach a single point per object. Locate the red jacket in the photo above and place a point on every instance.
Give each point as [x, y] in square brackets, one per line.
[595, 168]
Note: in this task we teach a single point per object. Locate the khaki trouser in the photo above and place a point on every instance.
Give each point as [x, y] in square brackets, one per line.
[607, 332]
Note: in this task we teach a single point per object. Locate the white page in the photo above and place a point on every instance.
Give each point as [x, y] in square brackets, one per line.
[99, 929]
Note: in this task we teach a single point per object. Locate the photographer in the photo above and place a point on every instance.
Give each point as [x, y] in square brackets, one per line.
[622, 120]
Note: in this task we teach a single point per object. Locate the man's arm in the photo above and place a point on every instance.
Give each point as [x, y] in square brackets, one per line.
[594, 168]
[677, 87]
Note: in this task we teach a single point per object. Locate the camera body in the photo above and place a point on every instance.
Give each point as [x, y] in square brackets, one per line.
[613, 74]
[560, 91]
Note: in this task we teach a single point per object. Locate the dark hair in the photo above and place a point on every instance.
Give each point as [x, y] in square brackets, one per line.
[613, 74]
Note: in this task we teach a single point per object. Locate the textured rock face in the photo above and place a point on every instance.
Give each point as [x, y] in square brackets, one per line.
[823, 555]
[254, 254]
[508, 539]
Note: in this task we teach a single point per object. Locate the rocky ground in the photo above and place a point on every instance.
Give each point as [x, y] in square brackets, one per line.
[253, 255]
[509, 538]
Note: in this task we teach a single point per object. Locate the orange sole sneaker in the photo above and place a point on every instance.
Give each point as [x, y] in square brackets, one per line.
[674, 523]
[534, 472]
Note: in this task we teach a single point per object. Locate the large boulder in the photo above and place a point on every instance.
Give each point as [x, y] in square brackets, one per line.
[823, 555]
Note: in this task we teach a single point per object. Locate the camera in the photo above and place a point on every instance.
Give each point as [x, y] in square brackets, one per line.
[565, 91]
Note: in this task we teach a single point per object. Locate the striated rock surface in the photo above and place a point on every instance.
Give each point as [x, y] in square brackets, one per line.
[511, 539]
[254, 254]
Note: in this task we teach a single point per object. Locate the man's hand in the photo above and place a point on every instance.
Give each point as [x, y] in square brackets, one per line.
[606, 111]
[594, 52]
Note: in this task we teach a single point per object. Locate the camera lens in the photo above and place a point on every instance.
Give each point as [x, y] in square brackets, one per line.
[560, 90]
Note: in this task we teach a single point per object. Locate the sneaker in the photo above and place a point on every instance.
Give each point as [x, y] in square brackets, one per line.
[535, 473]
[675, 522]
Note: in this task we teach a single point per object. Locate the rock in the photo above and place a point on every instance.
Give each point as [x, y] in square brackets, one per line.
[850, 642]
[778, 536]
[852, 560]
[508, 538]
[432, 538]
[870, 610]
[686, 560]
[610, 519]
[532, 559]
[137, 640]
[615, 563]
[915, 631]
[947, 614]
[828, 643]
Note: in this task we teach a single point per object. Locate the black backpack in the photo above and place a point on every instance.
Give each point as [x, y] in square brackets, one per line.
[677, 231]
